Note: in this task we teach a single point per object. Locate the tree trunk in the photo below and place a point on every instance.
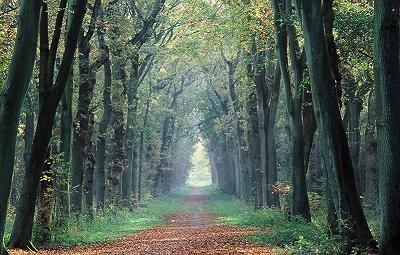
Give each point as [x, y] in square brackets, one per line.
[62, 181]
[45, 201]
[254, 149]
[242, 173]
[118, 164]
[28, 134]
[273, 109]
[161, 179]
[11, 99]
[333, 140]
[263, 113]
[315, 173]
[333, 56]
[87, 82]
[371, 169]
[105, 119]
[309, 125]
[90, 163]
[213, 167]
[353, 108]
[142, 155]
[51, 96]
[284, 36]
[129, 178]
[387, 78]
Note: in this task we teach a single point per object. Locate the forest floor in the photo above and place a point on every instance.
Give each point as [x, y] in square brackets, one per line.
[191, 231]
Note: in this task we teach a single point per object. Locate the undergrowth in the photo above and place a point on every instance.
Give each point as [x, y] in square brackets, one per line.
[295, 235]
[114, 223]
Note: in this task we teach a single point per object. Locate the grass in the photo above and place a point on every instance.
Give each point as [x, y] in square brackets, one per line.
[115, 223]
[296, 236]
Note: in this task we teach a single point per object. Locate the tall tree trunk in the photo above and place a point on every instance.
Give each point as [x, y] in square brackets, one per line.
[273, 109]
[213, 167]
[129, 178]
[354, 107]
[45, 201]
[315, 173]
[142, 148]
[11, 99]
[333, 55]
[90, 163]
[81, 125]
[161, 168]
[87, 82]
[161, 179]
[230, 169]
[254, 149]
[28, 134]
[242, 173]
[118, 163]
[333, 140]
[50, 98]
[371, 144]
[309, 125]
[284, 36]
[62, 181]
[105, 119]
[119, 103]
[263, 113]
[387, 78]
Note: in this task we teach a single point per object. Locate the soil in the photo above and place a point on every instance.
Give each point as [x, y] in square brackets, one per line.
[191, 231]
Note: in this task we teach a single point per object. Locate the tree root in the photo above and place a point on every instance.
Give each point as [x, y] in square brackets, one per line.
[31, 247]
[23, 246]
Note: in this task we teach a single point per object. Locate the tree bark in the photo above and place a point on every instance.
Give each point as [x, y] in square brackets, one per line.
[62, 182]
[118, 164]
[142, 146]
[332, 134]
[371, 146]
[129, 178]
[45, 201]
[387, 78]
[105, 119]
[253, 140]
[50, 98]
[90, 163]
[87, 82]
[243, 178]
[273, 109]
[269, 197]
[354, 107]
[11, 99]
[286, 36]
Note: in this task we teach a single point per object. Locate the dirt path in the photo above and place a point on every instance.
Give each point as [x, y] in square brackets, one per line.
[191, 231]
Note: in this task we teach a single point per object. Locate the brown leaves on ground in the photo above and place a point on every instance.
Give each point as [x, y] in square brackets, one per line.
[186, 233]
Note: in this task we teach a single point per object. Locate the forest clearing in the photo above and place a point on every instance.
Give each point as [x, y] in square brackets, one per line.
[200, 127]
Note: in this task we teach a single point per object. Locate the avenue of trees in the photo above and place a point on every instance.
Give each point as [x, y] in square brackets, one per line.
[102, 103]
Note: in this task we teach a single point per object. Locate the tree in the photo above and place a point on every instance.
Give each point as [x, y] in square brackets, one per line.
[87, 82]
[50, 96]
[105, 119]
[286, 39]
[387, 78]
[332, 134]
[12, 96]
